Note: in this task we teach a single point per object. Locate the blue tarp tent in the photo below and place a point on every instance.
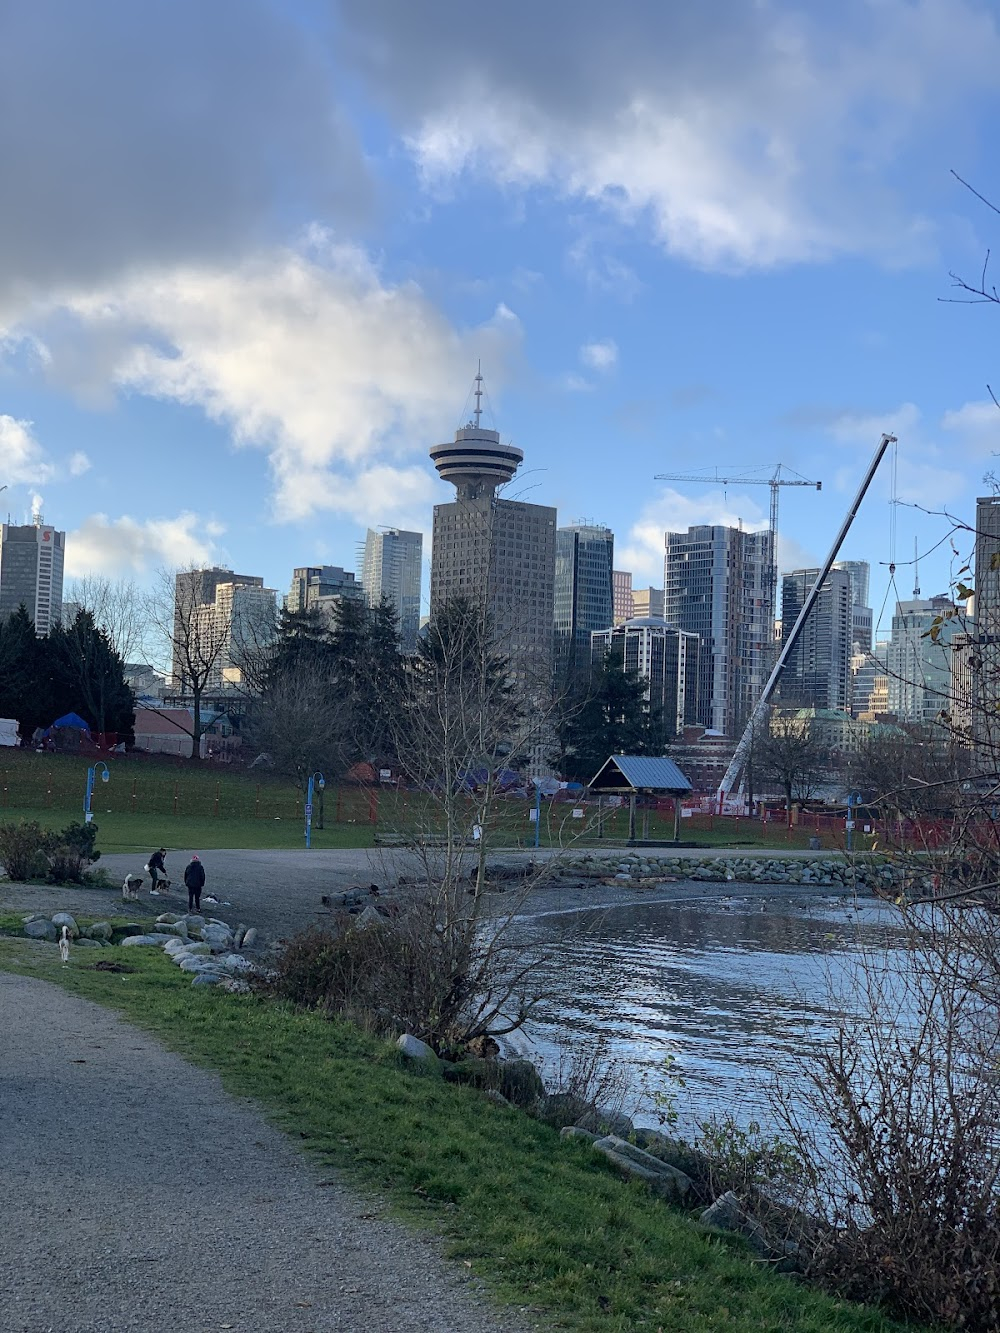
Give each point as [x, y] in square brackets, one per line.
[73, 720]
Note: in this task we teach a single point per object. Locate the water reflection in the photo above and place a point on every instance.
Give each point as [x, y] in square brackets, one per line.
[735, 990]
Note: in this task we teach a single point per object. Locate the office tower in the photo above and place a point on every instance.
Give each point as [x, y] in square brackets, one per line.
[583, 597]
[621, 584]
[647, 602]
[31, 572]
[498, 553]
[859, 573]
[817, 673]
[223, 626]
[322, 588]
[391, 568]
[866, 668]
[919, 666]
[665, 657]
[983, 695]
[716, 583]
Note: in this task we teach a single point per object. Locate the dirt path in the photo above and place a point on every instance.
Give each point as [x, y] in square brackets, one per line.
[138, 1195]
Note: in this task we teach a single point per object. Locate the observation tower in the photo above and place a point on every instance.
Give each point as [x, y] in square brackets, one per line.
[476, 463]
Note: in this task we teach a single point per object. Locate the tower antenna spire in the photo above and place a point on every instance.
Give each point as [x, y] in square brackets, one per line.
[479, 391]
[916, 571]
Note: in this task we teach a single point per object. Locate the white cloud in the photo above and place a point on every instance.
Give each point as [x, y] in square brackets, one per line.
[126, 546]
[78, 463]
[919, 474]
[978, 424]
[740, 135]
[643, 550]
[22, 459]
[600, 356]
[341, 377]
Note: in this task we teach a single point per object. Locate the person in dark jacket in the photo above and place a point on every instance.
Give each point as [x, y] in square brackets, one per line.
[194, 879]
[157, 869]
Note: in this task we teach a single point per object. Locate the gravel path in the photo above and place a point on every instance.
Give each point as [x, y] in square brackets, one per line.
[138, 1195]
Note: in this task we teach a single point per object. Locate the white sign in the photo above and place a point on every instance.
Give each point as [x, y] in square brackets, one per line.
[577, 814]
[533, 816]
[309, 811]
[385, 774]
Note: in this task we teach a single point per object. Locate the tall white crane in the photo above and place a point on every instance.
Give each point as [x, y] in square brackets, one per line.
[775, 482]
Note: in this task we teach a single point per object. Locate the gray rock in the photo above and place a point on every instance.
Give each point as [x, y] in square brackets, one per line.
[498, 1099]
[194, 921]
[415, 1049]
[728, 1214]
[206, 978]
[167, 919]
[662, 1178]
[219, 937]
[34, 916]
[601, 1120]
[367, 919]
[131, 928]
[575, 1132]
[235, 964]
[42, 929]
[177, 928]
[189, 964]
[250, 938]
[100, 930]
[60, 919]
[145, 941]
[84, 943]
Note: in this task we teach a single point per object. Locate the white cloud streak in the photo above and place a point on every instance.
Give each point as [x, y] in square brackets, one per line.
[128, 546]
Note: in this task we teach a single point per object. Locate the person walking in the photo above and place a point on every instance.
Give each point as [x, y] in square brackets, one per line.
[194, 879]
[157, 870]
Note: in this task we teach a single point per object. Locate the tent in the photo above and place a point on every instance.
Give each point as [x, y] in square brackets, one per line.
[71, 720]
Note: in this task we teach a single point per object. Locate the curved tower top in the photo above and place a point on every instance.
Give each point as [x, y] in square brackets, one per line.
[476, 463]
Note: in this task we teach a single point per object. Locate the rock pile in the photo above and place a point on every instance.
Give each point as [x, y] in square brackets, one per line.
[831, 872]
[206, 947]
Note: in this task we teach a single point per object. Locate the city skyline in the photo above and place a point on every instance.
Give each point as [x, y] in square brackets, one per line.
[232, 343]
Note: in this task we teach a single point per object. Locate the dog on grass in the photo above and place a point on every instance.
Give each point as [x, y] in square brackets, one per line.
[131, 887]
[64, 944]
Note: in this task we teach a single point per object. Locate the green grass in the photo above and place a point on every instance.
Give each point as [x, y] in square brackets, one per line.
[545, 1223]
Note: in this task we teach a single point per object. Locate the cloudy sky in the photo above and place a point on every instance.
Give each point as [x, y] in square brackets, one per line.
[251, 251]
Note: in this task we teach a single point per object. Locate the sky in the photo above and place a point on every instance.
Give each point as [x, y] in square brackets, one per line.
[251, 253]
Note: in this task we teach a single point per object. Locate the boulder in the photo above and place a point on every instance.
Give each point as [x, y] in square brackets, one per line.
[250, 938]
[131, 928]
[562, 1108]
[728, 1214]
[631, 1161]
[497, 1098]
[34, 916]
[60, 919]
[575, 1132]
[520, 1082]
[167, 919]
[177, 928]
[84, 943]
[235, 964]
[188, 964]
[145, 941]
[219, 937]
[368, 918]
[100, 930]
[194, 921]
[415, 1049]
[207, 978]
[603, 1120]
[41, 929]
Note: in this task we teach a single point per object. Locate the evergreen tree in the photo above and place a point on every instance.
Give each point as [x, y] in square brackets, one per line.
[25, 679]
[88, 676]
[612, 718]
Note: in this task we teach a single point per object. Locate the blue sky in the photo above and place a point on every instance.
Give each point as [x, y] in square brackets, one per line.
[250, 254]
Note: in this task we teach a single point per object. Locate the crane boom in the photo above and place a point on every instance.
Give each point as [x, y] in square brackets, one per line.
[742, 749]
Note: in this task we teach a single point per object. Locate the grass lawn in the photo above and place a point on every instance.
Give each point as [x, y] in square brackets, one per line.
[545, 1223]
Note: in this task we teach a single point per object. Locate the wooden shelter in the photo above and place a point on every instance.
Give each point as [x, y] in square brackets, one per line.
[635, 775]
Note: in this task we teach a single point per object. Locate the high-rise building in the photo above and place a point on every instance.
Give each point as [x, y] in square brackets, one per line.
[866, 668]
[497, 552]
[859, 573]
[223, 624]
[817, 673]
[322, 588]
[716, 583]
[648, 602]
[31, 572]
[665, 657]
[621, 586]
[583, 598]
[983, 694]
[391, 568]
[919, 665]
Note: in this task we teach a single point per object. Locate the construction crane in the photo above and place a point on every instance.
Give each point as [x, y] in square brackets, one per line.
[735, 770]
[775, 482]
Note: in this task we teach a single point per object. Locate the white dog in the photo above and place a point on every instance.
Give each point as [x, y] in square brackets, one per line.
[131, 887]
[64, 944]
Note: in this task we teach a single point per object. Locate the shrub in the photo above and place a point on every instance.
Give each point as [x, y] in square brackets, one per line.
[70, 852]
[22, 849]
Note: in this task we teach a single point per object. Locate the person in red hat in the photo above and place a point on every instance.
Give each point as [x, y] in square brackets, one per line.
[194, 880]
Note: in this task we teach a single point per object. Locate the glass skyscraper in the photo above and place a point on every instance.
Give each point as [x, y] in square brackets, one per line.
[583, 600]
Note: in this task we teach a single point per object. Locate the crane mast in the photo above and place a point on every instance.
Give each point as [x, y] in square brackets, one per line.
[739, 758]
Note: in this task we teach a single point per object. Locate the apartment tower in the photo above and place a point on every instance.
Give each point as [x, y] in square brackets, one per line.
[31, 572]
[584, 598]
[391, 568]
[817, 673]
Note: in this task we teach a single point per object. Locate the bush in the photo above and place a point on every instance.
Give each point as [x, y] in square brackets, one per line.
[70, 852]
[22, 849]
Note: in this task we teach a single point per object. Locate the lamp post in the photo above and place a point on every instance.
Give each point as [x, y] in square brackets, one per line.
[91, 775]
[320, 780]
[853, 800]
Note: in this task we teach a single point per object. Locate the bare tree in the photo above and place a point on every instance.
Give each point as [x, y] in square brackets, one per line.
[302, 725]
[788, 752]
[118, 608]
